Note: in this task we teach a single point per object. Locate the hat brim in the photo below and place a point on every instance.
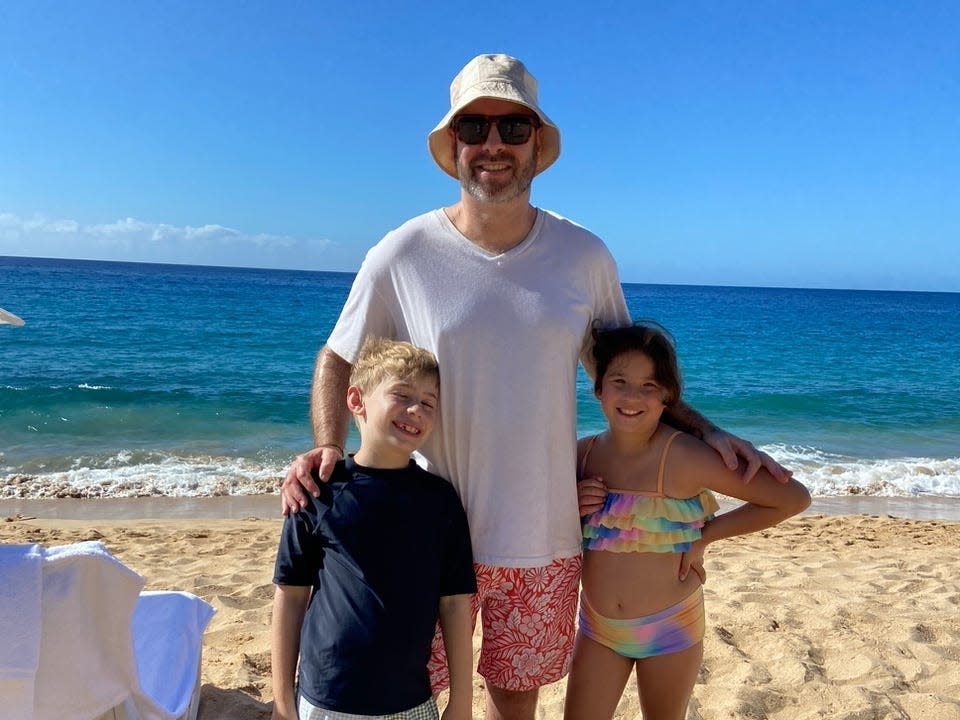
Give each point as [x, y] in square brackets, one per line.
[443, 149]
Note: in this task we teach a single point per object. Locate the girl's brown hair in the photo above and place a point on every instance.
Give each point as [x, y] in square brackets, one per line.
[647, 337]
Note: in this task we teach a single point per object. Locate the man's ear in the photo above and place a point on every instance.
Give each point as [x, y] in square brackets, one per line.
[355, 400]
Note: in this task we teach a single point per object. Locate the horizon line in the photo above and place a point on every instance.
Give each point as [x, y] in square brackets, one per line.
[354, 272]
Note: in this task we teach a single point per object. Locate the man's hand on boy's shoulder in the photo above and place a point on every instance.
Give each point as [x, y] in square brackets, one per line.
[300, 477]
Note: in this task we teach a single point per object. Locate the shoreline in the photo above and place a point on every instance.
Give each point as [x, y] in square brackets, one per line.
[267, 507]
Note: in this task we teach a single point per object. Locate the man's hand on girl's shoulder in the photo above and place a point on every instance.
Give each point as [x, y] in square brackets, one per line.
[732, 447]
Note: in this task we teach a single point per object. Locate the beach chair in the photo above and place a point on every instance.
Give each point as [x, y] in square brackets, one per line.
[82, 642]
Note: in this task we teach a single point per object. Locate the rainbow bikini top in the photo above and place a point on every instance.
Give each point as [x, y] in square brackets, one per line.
[643, 521]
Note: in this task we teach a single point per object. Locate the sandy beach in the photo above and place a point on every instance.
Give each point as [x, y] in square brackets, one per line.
[850, 617]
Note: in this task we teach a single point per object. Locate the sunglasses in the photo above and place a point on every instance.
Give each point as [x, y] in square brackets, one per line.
[512, 129]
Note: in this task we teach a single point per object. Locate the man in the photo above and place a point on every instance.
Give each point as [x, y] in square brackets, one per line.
[505, 295]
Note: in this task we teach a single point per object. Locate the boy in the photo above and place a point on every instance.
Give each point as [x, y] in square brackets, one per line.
[385, 549]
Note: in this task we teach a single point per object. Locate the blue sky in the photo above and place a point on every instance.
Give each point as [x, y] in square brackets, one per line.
[800, 144]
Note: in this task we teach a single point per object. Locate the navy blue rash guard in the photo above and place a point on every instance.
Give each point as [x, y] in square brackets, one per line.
[380, 548]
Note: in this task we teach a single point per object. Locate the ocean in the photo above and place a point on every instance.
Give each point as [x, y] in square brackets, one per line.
[132, 380]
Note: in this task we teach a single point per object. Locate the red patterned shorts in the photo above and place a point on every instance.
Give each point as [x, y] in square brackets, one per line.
[527, 617]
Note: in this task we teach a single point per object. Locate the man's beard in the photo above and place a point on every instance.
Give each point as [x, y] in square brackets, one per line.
[497, 191]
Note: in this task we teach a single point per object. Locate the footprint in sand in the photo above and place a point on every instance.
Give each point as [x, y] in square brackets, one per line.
[924, 633]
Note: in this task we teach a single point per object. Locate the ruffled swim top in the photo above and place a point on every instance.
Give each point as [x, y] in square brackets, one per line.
[636, 521]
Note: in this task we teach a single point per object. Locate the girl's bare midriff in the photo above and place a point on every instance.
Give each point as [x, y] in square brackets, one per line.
[631, 585]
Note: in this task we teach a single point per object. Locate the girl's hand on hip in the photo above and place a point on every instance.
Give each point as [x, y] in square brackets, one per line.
[692, 559]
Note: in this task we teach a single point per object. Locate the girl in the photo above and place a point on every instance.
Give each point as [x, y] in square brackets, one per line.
[645, 491]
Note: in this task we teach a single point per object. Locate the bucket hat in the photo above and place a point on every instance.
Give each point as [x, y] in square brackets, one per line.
[503, 78]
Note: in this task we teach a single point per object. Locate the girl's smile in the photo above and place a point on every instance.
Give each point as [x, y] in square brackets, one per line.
[628, 391]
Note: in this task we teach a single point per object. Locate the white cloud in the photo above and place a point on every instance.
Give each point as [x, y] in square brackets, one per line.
[134, 240]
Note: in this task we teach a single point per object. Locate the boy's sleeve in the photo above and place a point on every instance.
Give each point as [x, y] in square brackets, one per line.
[300, 552]
[458, 575]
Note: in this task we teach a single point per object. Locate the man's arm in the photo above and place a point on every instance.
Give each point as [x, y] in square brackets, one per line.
[289, 607]
[330, 418]
[455, 621]
[683, 417]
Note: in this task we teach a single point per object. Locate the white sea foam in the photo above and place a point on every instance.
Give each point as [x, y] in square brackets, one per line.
[169, 476]
[827, 474]
[137, 474]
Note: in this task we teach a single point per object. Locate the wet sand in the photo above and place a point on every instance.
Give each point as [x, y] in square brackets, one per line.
[266, 507]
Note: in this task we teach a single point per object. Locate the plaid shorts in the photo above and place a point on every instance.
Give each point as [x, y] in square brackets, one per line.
[427, 711]
[528, 621]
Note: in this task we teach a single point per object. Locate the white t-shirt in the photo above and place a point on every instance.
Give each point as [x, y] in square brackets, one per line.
[508, 331]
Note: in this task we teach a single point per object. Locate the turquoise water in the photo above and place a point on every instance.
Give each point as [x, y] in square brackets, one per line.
[133, 379]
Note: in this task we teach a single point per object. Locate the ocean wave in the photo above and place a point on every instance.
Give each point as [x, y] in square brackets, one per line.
[142, 473]
[828, 474]
[136, 474]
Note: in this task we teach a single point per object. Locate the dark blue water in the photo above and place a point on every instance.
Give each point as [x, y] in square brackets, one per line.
[139, 379]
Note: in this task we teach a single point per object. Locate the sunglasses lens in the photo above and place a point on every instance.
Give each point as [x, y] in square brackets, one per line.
[472, 130]
[515, 129]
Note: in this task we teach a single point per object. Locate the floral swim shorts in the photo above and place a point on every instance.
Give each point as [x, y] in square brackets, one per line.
[528, 623]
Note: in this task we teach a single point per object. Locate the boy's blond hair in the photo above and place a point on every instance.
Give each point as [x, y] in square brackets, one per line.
[380, 358]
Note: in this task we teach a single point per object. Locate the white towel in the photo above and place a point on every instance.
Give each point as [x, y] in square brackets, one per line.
[20, 588]
[86, 653]
[167, 637]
